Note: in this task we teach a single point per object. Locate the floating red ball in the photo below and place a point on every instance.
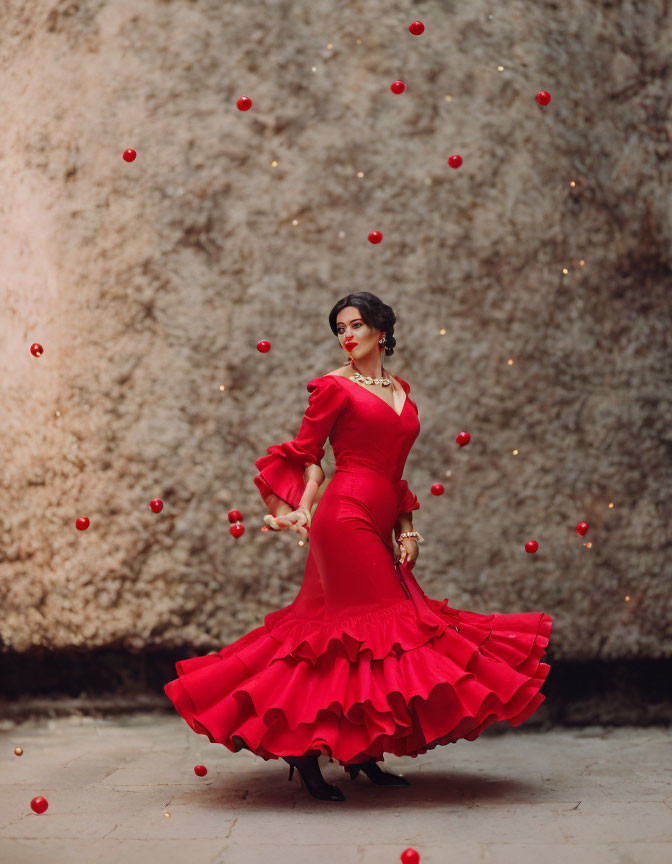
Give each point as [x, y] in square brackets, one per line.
[543, 98]
[156, 505]
[264, 346]
[416, 28]
[375, 236]
[237, 530]
[235, 516]
[244, 103]
[82, 523]
[463, 438]
[409, 856]
[581, 528]
[437, 489]
[397, 87]
[36, 349]
[531, 546]
[200, 770]
[129, 155]
[39, 804]
[455, 160]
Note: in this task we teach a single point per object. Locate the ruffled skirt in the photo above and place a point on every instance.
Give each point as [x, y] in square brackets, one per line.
[402, 679]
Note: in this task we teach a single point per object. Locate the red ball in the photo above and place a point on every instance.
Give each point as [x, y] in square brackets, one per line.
[129, 155]
[531, 546]
[244, 103]
[375, 236]
[409, 856]
[264, 346]
[416, 28]
[235, 516]
[543, 98]
[237, 530]
[397, 86]
[39, 804]
[463, 439]
[156, 505]
[437, 489]
[200, 770]
[82, 523]
[581, 528]
[36, 349]
[455, 161]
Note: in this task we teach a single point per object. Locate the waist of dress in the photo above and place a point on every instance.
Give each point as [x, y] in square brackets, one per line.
[366, 469]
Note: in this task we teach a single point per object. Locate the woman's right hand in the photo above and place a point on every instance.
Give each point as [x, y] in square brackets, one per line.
[298, 520]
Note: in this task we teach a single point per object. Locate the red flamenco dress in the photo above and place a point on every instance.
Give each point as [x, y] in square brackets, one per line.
[362, 662]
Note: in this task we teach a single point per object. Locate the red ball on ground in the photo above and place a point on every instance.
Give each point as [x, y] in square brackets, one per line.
[397, 86]
[463, 438]
[237, 530]
[39, 804]
[531, 546]
[437, 489]
[82, 523]
[235, 516]
[455, 160]
[581, 528]
[543, 97]
[375, 236]
[129, 155]
[36, 349]
[264, 346]
[244, 103]
[416, 28]
[409, 856]
[156, 505]
[200, 770]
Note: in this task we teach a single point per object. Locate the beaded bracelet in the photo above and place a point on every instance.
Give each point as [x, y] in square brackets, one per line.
[415, 534]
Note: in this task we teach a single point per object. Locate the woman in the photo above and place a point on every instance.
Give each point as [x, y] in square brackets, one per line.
[362, 662]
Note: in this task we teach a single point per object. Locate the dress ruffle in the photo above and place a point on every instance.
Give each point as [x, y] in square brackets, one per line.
[358, 687]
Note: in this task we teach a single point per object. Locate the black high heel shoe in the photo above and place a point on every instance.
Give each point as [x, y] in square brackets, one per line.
[311, 776]
[375, 775]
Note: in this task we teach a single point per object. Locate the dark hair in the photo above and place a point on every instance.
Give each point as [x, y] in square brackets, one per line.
[375, 313]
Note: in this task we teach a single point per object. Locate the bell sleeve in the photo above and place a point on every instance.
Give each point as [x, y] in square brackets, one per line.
[281, 472]
[407, 500]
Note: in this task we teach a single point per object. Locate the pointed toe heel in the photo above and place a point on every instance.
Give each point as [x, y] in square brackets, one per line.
[375, 775]
[311, 777]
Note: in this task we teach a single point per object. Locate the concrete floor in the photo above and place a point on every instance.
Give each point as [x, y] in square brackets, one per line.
[564, 796]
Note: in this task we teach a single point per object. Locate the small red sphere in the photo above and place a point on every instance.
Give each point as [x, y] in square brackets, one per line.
[543, 98]
[82, 523]
[129, 155]
[264, 346]
[200, 770]
[455, 160]
[397, 86]
[237, 530]
[156, 505]
[531, 546]
[416, 28]
[375, 236]
[235, 516]
[244, 103]
[437, 489]
[39, 804]
[463, 438]
[581, 528]
[409, 856]
[36, 349]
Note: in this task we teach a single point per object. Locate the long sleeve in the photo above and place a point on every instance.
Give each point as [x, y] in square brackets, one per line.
[407, 500]
[282, 470]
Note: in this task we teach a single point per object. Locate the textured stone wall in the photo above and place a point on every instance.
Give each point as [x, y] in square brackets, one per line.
[150, 283]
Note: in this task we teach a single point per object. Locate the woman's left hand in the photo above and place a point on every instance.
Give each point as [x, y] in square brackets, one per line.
[408, 551]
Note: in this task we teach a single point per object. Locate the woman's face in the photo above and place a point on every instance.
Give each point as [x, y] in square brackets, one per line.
[351, 328]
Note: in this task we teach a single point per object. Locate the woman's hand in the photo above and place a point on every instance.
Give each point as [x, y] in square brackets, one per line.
[298, 520]
[408, 550]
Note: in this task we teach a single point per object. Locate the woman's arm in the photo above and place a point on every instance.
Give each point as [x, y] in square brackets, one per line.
[403, 523]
